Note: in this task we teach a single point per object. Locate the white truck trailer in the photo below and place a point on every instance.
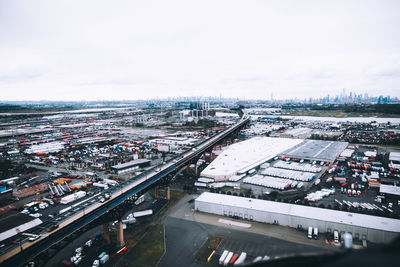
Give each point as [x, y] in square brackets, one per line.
[223, 256]
[72, 197]
[142, 213]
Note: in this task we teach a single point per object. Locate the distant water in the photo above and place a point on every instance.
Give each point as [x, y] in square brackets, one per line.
[349, 119]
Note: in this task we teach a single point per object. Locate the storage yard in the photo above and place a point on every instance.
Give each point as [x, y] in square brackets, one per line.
[76, 160]
[62, 164]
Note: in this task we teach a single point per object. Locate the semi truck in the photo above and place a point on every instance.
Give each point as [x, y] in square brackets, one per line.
[223, 256]
[228, 258]
[241, 259]
[234, 258]
[142, 213]
[104, 186]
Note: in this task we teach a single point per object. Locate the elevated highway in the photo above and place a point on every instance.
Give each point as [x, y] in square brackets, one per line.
[65, 224]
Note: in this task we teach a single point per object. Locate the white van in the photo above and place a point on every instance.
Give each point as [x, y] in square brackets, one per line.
[315, 233]
[336, 236]
[310, 229]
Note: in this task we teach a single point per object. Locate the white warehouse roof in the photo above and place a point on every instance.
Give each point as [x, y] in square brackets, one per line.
[247, 154]
[20, 228]
[390, 189]
[395, 156]
[354, 219]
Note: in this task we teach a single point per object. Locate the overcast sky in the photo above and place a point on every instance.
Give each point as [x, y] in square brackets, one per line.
[112, 50]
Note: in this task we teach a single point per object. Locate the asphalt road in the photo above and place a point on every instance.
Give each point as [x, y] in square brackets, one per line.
[182, 239]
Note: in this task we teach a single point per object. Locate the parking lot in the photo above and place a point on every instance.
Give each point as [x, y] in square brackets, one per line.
[185, 237]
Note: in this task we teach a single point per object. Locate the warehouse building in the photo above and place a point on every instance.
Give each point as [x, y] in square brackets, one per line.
[316, 150]
[14, 222]
[372, 228]
[391, 190]
[244, 156]
[130, 166]
[297, 133]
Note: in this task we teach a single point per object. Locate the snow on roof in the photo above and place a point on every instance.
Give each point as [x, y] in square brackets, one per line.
[355, 219]
[247, 154]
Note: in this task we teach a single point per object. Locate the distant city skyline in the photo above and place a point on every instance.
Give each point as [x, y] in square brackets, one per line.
[101, 50]
[343, 98]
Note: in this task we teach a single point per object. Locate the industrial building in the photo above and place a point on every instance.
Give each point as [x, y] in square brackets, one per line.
[316, 150]
[391, 190]
[244, 156]
[130, 166]
[297, 133]
[14, 222]
[372, 228]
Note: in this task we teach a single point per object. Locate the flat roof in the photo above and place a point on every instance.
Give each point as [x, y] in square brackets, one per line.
[247, 154]
[13, 219]
[317, 149]
[389, 189]
[298, 131]
[334, 216]
[394, 156]
[131, 163]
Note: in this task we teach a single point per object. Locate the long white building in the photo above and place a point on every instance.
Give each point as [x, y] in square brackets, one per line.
[372, 228]
[243, 156]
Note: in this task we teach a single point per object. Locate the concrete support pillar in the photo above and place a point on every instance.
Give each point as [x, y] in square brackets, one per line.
[106, 233]
[120, 235]
[162, 192]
